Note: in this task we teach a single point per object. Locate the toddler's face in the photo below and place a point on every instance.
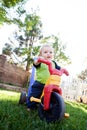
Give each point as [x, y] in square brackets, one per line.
[47, 53]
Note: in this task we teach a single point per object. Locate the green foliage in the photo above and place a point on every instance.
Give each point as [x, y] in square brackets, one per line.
[7, 50]
[16, 117]
[29, 33]
[30, 25]
[5, 7]
[3, 16]
[10, 3]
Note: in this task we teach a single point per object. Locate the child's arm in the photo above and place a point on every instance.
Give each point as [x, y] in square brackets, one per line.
[36, 60]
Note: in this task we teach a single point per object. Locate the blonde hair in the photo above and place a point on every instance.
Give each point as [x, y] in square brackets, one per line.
[45, 45]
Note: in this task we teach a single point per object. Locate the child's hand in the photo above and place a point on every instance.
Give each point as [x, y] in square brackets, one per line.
[36, 61]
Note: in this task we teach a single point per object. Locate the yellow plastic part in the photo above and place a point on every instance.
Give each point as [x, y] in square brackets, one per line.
[54, 79]
[35, 99]
[66, 115]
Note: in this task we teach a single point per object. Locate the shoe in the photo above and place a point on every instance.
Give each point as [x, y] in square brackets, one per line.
[23, 98]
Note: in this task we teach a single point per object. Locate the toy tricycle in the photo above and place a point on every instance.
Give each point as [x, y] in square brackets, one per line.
[51, 104]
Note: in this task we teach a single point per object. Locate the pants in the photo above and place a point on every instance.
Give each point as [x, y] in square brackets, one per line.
[36, 91]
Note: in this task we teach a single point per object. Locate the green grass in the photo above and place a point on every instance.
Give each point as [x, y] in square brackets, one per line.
[16, 117]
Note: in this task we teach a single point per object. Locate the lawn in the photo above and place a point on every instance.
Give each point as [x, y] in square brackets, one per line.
[16, 117]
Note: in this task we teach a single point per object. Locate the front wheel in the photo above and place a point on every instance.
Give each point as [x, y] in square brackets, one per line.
[56, 111]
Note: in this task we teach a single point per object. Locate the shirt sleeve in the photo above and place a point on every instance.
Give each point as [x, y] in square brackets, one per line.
[57, 66]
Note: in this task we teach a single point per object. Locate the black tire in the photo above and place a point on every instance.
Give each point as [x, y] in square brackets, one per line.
[23, 98]
[56, 111]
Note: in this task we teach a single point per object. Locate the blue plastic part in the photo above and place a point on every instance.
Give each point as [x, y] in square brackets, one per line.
[32, 79]
[31, 82]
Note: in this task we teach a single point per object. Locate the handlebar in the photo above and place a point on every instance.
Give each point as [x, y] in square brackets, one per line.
[51, 69]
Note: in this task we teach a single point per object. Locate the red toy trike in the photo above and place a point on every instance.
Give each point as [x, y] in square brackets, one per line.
[51, 104]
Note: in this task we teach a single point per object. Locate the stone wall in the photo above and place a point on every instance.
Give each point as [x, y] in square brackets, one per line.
[10, 73]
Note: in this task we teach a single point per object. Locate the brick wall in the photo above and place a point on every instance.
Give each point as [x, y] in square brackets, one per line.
[10, 73]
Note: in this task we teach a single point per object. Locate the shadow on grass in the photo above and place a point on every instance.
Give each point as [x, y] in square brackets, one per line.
[16, 117]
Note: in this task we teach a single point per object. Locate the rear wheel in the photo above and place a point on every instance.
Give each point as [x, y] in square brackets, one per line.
[56, 111]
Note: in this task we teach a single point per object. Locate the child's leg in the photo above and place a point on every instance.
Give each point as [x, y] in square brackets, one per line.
[37, 89]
